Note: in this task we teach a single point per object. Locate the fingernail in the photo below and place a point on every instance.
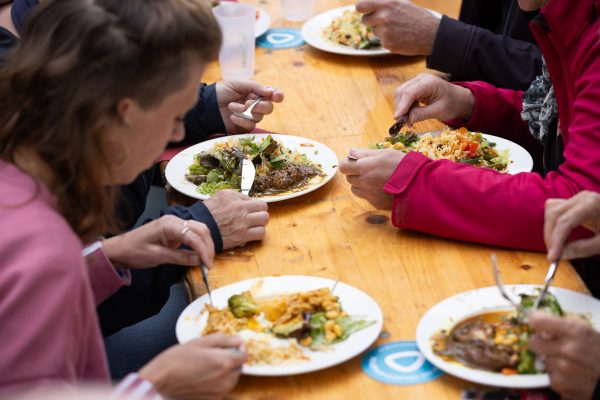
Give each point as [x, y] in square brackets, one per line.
[545, 335]
[270, 88]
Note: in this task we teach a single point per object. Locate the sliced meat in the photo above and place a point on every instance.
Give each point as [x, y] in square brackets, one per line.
[473, 344]
[280, 180]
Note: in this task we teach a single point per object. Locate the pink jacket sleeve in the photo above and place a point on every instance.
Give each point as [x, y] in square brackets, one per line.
[467, 203]
[104, 277]
[49, 327]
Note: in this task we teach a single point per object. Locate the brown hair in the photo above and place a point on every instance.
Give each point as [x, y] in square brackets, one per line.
[60, 86]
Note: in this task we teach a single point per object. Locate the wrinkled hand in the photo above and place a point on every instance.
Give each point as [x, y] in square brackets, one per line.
[236, 95]
[571, 349]
[158, 242]
[240, 218]
[562, 216]
[204, 368]
[443, 100]
[370, 172]
[402, 26]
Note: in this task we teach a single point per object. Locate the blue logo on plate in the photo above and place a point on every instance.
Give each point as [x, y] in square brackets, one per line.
[280, 38]
[399, 363]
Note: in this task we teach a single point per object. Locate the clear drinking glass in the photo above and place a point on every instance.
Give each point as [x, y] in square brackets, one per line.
[236, 58]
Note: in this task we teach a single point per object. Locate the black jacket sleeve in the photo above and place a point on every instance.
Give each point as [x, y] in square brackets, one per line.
[198, 212]
[471, 53]
[204, 119]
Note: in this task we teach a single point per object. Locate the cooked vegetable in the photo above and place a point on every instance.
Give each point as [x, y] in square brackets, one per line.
[348, 30]
[315, 317]
[458, 145]
[242, 306]
[278, 169]
[289, 329]
[526, 363]
[548, 303]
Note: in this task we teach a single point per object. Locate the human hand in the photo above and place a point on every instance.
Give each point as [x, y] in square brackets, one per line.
[369, 173]
[158, 242]
[571, 349]
[402, 26]
[443, 100]
[562, 216]
[204, 368]
[236, 96]
[240, 218]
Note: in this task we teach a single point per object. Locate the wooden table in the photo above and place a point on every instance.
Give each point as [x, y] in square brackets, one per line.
[344, 102]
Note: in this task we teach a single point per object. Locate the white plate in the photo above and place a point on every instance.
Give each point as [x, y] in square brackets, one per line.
[262, 24]
[519, 159]
[312, 32]
[315, 151]
[449, 312]
[357, 303]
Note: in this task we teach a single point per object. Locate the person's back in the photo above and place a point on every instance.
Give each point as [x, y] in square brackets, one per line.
[45, 291]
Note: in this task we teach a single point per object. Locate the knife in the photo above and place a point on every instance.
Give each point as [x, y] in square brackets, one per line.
[248, 174]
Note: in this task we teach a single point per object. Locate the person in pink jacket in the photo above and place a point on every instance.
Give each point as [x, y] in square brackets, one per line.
[557, 120]
[88, 99]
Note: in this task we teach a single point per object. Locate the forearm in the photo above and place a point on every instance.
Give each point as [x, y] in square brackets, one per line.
[469, 53]
[465, 203]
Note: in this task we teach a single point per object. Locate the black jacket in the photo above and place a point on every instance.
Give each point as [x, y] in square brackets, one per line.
[491, 42]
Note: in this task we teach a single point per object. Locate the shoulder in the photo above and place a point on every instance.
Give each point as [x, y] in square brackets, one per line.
[33, 234]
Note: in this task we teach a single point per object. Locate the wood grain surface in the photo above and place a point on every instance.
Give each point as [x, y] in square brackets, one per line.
[345, 102]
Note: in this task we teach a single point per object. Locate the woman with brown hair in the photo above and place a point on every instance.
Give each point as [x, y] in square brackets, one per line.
[88, 99]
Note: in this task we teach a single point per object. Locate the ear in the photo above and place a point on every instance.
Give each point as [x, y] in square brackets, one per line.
[127, 110]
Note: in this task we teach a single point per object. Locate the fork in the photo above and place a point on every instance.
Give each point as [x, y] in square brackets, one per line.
[248, 113]
[398, 125]
[547, 281]
[503, 292]
[204, 270]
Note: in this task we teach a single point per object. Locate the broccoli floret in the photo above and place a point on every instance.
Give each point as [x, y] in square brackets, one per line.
[242, 306]
[549, 303]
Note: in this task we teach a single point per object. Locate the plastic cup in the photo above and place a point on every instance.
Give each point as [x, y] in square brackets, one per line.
[296, 10]
[236, 58]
